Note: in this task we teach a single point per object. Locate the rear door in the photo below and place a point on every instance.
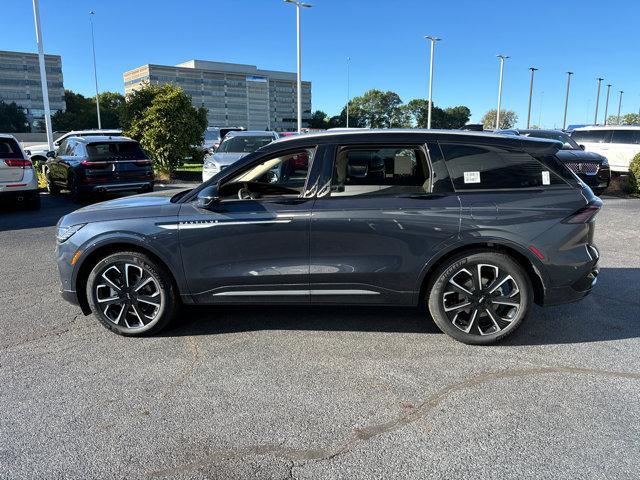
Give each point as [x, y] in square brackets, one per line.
[11, 161]
[625, 144]
[383, 212]
[597, 141]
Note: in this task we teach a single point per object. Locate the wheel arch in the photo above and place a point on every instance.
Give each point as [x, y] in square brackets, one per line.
[521, 257]
[99, 252]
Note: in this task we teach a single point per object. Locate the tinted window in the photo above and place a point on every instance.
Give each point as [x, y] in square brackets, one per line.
[474, 167]
[380, 171]
[567, 142]
[62, 147]
[592, 136]
[68, 151]
[625, 136]
[9, 148]
[244, 144]
[115, 151]
[212, 134]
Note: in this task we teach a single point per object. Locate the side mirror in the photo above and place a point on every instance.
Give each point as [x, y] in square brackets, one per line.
[207, 197]
[582, 147]
[51, 154]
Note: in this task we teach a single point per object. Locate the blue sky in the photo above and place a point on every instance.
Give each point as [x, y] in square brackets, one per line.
[383, 38]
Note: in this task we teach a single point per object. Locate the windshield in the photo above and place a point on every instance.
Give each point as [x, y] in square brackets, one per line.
[244, 144]
[115, 151]
[567, 142]
[212, 134]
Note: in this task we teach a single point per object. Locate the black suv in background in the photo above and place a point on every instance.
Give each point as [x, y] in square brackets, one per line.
[592, 168]
[476, 226]
[98, 164]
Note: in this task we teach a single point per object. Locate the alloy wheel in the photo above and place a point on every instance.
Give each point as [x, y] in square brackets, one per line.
[481, 299]
[129, 296]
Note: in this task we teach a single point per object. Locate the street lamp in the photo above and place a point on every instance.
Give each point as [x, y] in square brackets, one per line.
[606, 104]
[43, 75]
[533, 70]
[566, 100]
[502, 59]
[348, 94]
[620, 106]
[298, 5]
[95, 72]
[433, 44]
[595, 119]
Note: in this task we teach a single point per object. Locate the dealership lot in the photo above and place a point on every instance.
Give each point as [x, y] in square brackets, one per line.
[316, 392]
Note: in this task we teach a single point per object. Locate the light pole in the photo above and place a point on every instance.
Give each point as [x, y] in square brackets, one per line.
[606, 104]
[502, 59]
[298, 5]
[566, 100]
[595, 118]
[43, 75]
[620, 106]
[433, 47]
[533, 70]
[348, 94]
[95, 72]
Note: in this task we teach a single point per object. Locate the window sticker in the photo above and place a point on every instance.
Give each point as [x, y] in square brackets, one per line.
[471, 177]
[546, 179]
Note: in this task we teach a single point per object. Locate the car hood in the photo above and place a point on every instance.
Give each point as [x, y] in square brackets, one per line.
[578, 156]
[228, 158]
[156, 204]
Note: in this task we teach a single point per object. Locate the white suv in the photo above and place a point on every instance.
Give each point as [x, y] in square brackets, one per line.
[618, 143]
[18, 179]
[38, 152]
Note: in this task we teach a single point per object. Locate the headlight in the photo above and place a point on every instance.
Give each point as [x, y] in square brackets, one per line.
[605, 162]
[212, 166]
[65, 233]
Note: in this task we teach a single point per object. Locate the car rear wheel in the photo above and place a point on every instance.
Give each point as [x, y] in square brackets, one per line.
[480, 297]
[74, 189]
[131, 294]
[52, 188]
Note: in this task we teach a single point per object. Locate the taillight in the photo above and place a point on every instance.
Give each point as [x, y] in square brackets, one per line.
[586, 213]
[17, 162]
[88, 163]
[142, 163]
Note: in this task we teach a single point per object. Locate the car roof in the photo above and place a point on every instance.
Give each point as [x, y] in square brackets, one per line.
[93, 130]
[101, 138]
[608, 127]
[7, 135]
[251, 133]
[533, 145]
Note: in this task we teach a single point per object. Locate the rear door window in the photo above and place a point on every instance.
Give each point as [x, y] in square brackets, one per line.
[592, 136]
[114, 151]
[626, 136]
[9, 148]
[482, 167]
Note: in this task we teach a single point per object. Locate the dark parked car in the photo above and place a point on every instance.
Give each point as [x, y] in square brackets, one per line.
[98, 164]
[592, 168]
[476, 226]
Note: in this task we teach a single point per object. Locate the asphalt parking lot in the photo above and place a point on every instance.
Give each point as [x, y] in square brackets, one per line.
[309, 393]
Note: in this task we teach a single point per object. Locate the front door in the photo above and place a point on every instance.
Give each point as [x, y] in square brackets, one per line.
[382, 215]
[253, 245]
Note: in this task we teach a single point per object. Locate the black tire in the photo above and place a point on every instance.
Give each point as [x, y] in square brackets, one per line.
[131, 323]
[487, 325]
[52, 188]
[598, 191]
[74, 189]
[33, 202]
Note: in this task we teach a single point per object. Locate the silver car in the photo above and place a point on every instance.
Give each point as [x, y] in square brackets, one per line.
[235, 146]
[18, 179]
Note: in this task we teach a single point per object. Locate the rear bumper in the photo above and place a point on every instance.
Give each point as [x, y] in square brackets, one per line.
[70, 296]
[574, 292]
[145, 186]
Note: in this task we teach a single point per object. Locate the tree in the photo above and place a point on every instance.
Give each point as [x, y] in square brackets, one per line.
[81, 112]
[626, 119]
[167, 125]
[319, 120]
[13, 119]
[508, 119]
[449, 118]
[377, 109]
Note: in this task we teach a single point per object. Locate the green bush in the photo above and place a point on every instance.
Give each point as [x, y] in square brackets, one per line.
[634, 174]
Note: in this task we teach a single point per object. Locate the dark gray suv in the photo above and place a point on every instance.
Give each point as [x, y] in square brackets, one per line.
[476, 226]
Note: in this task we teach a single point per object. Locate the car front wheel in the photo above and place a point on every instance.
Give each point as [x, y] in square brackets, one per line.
[480, 297]
[131, 294]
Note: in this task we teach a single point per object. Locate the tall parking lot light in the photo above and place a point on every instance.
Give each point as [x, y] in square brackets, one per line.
[502, 59]
[95, 71]
[533, 70]
[298, 5]
[43, 75]
[606, 104]
[433, 44]
[566, 100]
[348, 93]
[620, 106]
[595, 118]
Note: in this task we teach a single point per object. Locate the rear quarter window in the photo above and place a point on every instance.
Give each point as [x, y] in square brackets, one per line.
[9, 148]
[631, 137]
[482, 167]
[592, 136]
